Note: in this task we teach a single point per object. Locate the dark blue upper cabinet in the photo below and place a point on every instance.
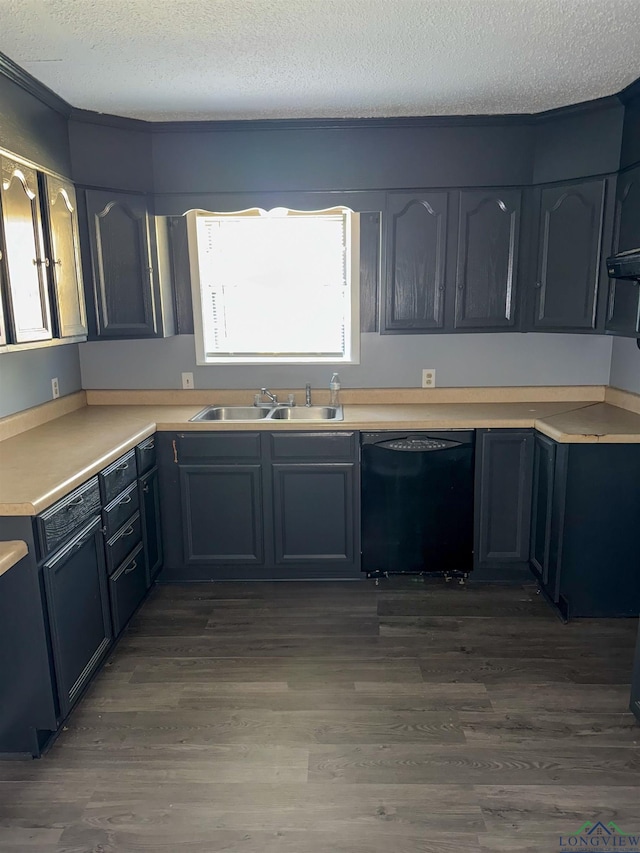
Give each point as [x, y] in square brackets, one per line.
[487, 259]
[416, 251]
[623, 311]
[569, 267]
[122, 272]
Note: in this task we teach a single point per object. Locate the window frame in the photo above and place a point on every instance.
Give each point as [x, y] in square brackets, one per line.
[352, 267]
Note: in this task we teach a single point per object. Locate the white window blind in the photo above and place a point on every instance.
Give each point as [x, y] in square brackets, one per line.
[275, 286]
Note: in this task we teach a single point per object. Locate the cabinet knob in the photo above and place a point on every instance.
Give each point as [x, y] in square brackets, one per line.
[538, 285]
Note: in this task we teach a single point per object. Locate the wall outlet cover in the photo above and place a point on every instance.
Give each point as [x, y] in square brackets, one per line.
[187, 381]
[429, 377]
[55, 388]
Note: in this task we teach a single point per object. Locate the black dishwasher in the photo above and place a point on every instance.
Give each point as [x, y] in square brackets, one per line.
[417, 502]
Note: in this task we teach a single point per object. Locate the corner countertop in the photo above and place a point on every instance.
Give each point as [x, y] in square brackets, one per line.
[11, 553]
[41, 465]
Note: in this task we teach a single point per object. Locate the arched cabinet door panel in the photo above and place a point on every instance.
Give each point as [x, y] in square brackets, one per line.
[569, 256]
[623, 310]
[487, 259]
[122, 272]
[62, 219]
[416, 249]
[25, 262]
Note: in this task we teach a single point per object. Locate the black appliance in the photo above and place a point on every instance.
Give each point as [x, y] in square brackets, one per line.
[417, 502]
[625, 265]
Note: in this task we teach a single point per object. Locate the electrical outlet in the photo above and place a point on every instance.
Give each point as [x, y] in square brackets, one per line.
[55, 388]
[187, 380]
[429, 377]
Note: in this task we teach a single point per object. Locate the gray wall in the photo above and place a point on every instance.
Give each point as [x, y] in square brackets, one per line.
[387, 361]
[25, 377]
[625, 365]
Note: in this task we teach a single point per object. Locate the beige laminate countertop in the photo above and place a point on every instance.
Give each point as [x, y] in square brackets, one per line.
[11, 553]
[43, 464]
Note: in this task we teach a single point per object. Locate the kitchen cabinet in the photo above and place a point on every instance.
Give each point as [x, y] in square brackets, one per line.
[416, 249]
[127, 267]
[61, 216]
[149, 496]
[251, 505]
[584, 527]
[27, 707]
[544, 460]
[487, 259]
[314, 506]
[75, 581]
[504, 467]
[25, 263]
[570, 268]
[623, 314]
[452, 260]
[634, 703]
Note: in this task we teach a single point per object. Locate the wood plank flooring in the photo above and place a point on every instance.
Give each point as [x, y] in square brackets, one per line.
[339, 718]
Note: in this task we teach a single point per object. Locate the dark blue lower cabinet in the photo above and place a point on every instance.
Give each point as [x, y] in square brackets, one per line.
[149, 493]
[314, 513]
[27, 704]
[585, 536]
[77, 596]
[634, 704]
[252, 506]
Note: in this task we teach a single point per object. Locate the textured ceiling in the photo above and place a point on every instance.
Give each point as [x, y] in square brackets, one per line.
[246, 59]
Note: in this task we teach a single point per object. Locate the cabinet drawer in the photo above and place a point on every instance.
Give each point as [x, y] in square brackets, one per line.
[62, 519]
[146, 455]
[197, 447]
[118, 476]
[119, 510]
[123, 542]
[127, 588]
[314, 445]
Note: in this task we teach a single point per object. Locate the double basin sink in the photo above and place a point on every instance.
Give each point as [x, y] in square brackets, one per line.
[275, 413]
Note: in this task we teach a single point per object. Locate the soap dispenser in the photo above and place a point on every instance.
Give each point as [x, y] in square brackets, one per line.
[334, 390]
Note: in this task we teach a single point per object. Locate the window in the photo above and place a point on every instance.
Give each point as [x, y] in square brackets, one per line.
[278, 286]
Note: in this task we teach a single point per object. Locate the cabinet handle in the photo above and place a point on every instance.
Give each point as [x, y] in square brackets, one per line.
[128, 531]
[58, 263]
[175, 451]
[126, 500]
[151, 444]
[39, 261]
[76, 501]
[131, 568]
[122, 467]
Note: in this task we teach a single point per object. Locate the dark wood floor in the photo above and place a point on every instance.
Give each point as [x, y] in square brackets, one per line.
[346, 718]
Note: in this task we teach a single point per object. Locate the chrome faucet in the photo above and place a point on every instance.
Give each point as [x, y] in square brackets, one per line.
[307, 394]
[264, 392]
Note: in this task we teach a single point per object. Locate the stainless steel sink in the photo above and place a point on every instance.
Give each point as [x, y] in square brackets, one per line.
[307, 413]
[231, 413]
[278, 413]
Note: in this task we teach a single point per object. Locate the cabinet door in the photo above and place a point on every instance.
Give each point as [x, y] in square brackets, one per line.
[623, 315]
[62, 222]
[222, 514]
[416, 246]
[151, 532]
[488, 241]
[25, 262]
[542, 507]
[569, 256]
[78, 606]
[314, 513]
[121, 265]
[504, 461]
